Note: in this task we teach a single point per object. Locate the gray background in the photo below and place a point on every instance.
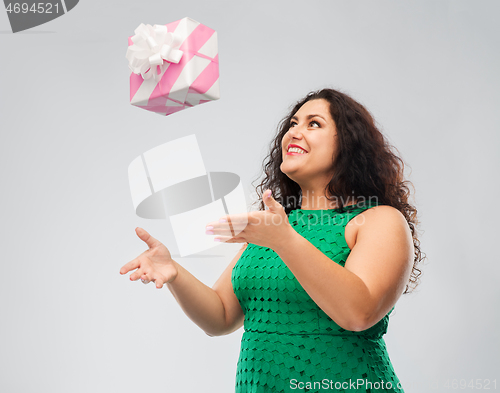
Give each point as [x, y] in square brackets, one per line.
[427, 70]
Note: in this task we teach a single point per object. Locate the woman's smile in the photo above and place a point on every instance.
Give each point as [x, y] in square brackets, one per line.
[294, 150]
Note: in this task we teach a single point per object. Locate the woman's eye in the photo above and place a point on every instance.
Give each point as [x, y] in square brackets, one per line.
[314, 123]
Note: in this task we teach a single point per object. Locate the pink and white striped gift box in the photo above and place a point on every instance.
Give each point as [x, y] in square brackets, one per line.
[193, 80]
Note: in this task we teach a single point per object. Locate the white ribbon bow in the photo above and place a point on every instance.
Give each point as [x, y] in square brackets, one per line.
[153, 46]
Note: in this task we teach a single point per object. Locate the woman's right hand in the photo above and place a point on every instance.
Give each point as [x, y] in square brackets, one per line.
[155, 264]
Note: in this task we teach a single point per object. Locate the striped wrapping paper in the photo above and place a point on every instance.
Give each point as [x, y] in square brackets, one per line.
[192, 81]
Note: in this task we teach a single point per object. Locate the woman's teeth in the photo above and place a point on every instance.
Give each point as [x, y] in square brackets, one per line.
[296, 150]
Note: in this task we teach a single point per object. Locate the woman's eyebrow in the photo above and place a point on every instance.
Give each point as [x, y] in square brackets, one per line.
[308, 117]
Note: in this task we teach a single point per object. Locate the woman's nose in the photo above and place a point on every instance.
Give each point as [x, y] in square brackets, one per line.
[295, 133]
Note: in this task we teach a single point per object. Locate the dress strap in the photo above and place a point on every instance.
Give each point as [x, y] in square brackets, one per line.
[357, 209]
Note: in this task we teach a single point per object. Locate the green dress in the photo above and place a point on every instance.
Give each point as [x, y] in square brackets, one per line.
[289, 343]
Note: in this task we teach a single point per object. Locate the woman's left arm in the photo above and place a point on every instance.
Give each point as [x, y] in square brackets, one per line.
[355, 296]
[358, 295]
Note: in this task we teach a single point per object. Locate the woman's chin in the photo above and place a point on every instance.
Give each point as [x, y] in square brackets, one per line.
[289, 167]
[290, 173]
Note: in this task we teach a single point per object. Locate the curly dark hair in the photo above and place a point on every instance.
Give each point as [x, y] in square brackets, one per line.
[364, 165]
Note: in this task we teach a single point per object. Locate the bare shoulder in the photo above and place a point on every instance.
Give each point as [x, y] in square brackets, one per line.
[378, 220]
[380, 215]
[387, 223]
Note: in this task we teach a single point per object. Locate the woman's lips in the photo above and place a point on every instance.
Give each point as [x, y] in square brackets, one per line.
[295, 154]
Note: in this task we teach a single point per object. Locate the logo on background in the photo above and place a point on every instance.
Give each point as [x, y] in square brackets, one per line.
[26, 14]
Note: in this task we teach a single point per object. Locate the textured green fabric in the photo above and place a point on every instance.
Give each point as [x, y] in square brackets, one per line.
[288, 340]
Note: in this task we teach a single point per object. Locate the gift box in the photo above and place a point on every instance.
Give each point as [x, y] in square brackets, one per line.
[173, 66]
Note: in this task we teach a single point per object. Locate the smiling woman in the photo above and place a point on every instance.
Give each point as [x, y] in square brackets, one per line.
[342, 189]
[331, 249]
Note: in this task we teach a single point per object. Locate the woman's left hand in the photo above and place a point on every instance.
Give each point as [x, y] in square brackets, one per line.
[266, 228]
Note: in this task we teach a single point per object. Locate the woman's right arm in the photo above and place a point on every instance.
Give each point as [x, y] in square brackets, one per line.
[215, 310]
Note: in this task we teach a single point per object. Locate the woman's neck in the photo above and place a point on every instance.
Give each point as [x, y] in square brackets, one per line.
[314, 200]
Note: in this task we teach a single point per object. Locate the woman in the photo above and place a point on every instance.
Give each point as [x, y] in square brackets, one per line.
[321, 268]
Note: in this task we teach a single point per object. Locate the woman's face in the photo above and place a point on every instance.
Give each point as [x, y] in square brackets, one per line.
[312, 129]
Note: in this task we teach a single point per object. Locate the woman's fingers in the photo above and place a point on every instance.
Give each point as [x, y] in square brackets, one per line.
[156, 278]
[222, 232]
[224, 229]
[150, 276]
[235, 219]
[136, 263]
[151, 262]
[147, 238]
[232, 225]
[133, 264]
[159, 282]
[137, 274]
[230, 239]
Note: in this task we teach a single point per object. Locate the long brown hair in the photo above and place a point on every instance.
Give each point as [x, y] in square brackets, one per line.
[365, 165]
